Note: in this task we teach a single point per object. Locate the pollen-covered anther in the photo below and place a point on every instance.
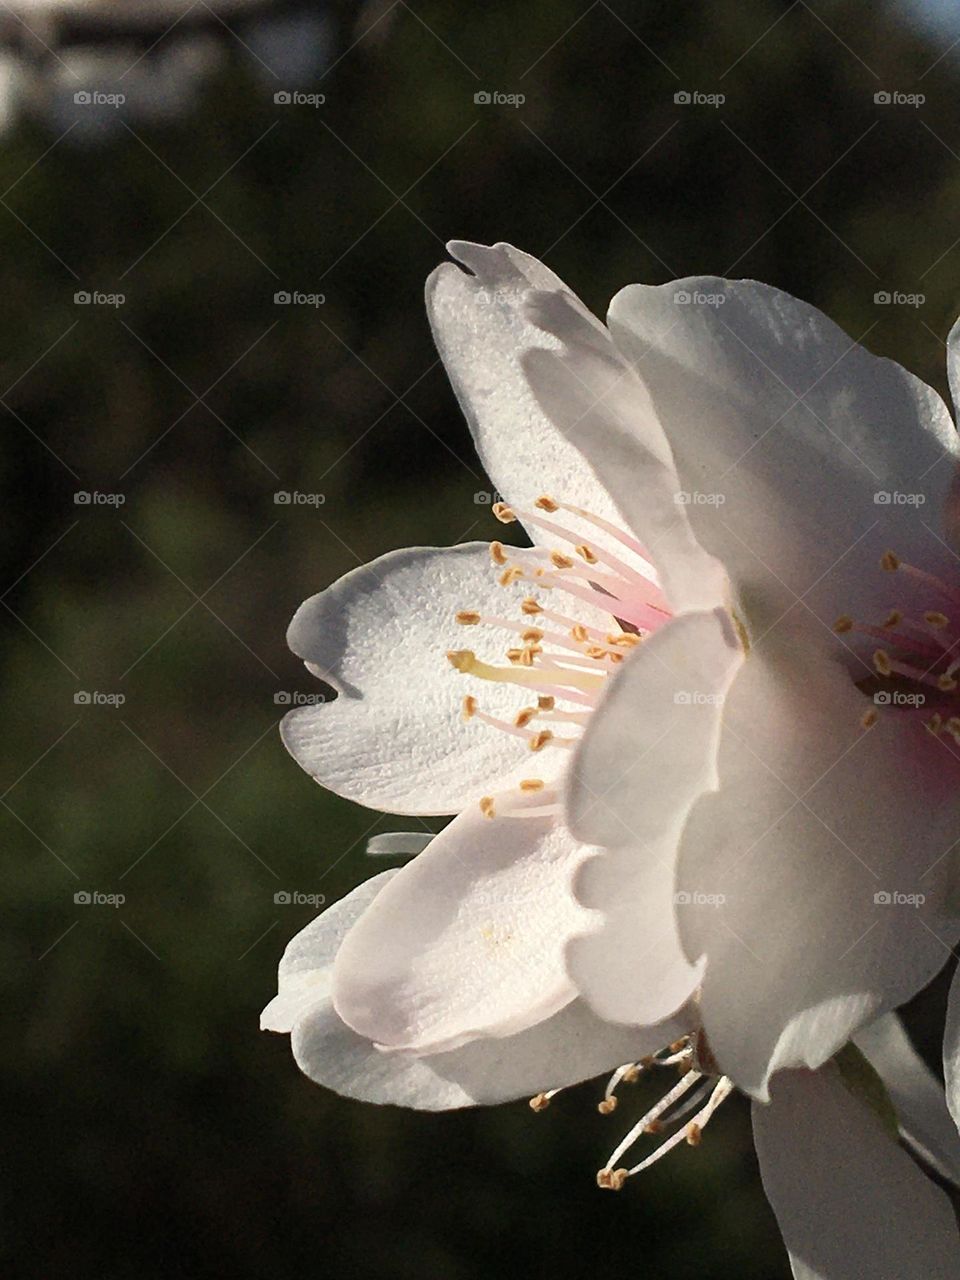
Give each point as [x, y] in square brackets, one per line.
[540, 1102]
[468, 618]
[532, 784]
[487, 807]
[584, 552]
[935, 723]
[523, 718]
[531, 607]
[934, 618]
[611, 1179]
[881, 662]
[890, 561]
[468, 708]
[540, 740]
[632, 1074]
[694, 1135]
[504, 513]
[532, 635]
[510, 575]
[843, 624]
[868, 719]
[560, 561]
[497, 553]
[546, 503]
[946, 684]
[624, 639]
[580, 633]
[607, 1106]
[893, 619]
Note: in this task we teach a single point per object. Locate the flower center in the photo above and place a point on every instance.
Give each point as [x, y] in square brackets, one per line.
[565, 653]
[916, 668]
[700, 1090]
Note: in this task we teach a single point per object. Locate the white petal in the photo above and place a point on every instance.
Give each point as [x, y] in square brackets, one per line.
[468, 939]
[648, 751]
[814, 817]
[916, 1093]
[594, 397]
[951, 1049]
[849, 1202]
[789, 430]
[571, 1046]
[304, 975]
[482, 332]
[394, 738]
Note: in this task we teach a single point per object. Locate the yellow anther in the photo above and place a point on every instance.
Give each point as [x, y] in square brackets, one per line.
[607, 1106]
[546, 503]
[881, 661]
[843, 624]
[467, 618]
[868, 719]
[631, 1075]
[579, 633]
[540, 1102]
[532, 784]
[529, 653]
[514, 655]
[510, 576]
[560, 561]
[530, 607]
[524, 717]
[469, 706]
[612, 1179]
[532, 636]
[584, 552]
[540, 740]
[546, 701]
[890, 561]
[467, 661]
[487, 807]
[935, 723]
[653, 1127]
[503, 513]
[497, 553]
[624, 639]
[461, 659]
[893, 618]
[946, 684]
[694, 1135]
[935, 618]
[597, 651]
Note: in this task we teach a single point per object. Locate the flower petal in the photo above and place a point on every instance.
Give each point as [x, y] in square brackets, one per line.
[468, 939]
[647, 753]
[816, 911]
[482, 331]
[571, 1046]
[849, 1202]
[916, 1093]
[782, 428]
[595, 398]
[951, 1049]
[394, 738]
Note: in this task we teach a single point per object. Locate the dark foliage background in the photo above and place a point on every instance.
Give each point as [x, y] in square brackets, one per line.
[152, 1130]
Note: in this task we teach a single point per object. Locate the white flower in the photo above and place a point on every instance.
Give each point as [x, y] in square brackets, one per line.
[748, 821]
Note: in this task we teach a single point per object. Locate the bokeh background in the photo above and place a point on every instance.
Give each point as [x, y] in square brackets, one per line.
[152, 1130]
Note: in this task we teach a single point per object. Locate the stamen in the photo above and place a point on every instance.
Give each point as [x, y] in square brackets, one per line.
[487, 806]
[466, 660]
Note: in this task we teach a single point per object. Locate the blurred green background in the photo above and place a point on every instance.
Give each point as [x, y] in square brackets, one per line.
[153, 1131]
